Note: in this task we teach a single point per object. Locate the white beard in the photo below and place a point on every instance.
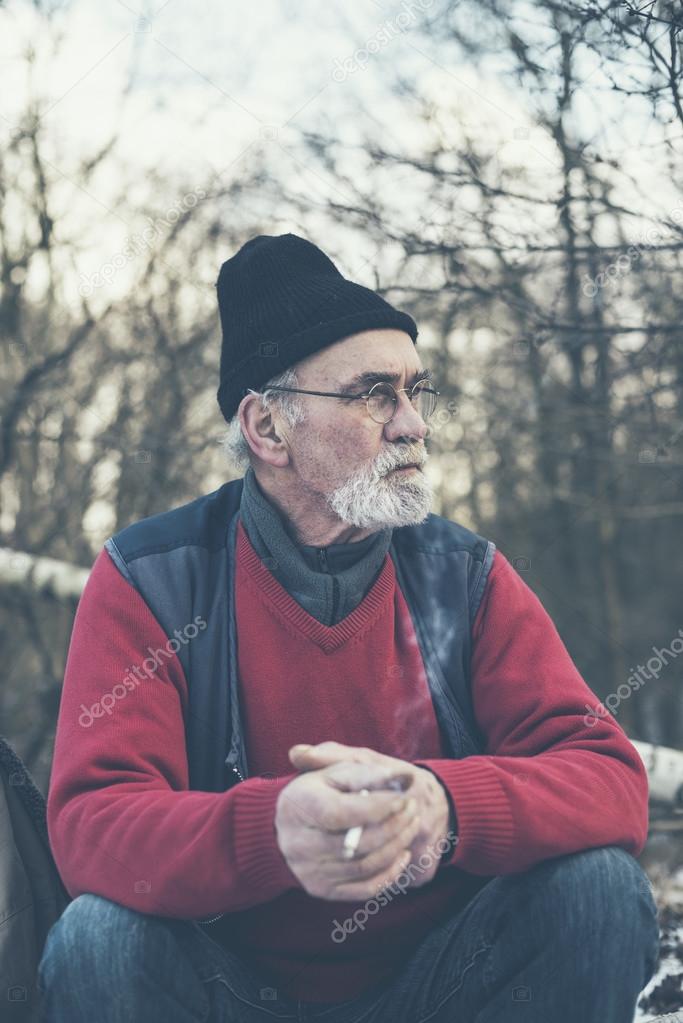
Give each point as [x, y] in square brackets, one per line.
[376, 498]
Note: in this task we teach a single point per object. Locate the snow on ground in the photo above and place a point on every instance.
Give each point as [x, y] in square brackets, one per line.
[662, 999]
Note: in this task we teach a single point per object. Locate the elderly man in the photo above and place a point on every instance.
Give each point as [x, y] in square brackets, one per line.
[321, 754]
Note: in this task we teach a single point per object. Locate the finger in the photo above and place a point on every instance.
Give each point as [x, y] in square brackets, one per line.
[360, 755]
[375, 836]
[325, 847]
[341, 871]
[331, 751]
[330, 811]
[360, 891]
[379, 857]
[352, 777]
[345, 810]
[313, 757]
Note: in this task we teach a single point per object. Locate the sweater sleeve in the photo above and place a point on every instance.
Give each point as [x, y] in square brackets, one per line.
[554, 779]
[121, 821]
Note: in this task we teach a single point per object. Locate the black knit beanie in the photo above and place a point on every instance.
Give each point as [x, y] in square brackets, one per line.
[280, 299]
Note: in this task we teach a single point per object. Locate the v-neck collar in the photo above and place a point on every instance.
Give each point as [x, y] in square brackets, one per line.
[328, 582]
[328, 637]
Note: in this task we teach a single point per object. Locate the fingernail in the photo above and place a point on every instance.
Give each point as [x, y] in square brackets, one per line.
[411, 805]
[398, 804]
[302, 747]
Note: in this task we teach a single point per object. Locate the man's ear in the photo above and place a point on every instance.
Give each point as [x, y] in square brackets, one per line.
[262, 432]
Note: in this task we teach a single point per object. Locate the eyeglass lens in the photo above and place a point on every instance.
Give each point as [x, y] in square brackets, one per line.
[383, 400]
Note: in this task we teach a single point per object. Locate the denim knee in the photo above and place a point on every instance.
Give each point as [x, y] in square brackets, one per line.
[92, 930]
[88, 921]
[614, 881]
[103, 961]
[604, 889]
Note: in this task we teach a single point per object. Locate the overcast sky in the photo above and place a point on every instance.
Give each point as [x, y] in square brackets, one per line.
[209, 86]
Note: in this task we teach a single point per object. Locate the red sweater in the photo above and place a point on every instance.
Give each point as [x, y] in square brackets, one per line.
[123, 824]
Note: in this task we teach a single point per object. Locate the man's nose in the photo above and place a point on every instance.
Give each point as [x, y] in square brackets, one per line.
[407, 421]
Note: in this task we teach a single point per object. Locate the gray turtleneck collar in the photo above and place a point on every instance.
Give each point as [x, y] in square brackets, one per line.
[328, 582]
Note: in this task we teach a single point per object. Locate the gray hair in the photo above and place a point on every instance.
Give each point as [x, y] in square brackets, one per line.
[290, 406]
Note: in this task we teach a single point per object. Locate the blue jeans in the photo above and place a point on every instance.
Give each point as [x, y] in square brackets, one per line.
[573, 938]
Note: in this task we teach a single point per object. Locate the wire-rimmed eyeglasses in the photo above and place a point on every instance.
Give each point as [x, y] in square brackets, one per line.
[381, 399]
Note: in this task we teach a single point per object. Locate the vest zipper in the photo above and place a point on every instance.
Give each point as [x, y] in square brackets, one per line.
[212, 920]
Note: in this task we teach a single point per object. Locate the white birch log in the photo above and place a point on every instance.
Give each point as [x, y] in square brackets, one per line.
[35, 574]
[664, 771]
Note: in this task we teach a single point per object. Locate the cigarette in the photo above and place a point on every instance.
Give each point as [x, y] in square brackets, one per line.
[352, 841]
[353, 835]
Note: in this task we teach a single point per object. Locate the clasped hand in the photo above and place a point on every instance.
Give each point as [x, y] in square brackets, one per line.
[315, 810]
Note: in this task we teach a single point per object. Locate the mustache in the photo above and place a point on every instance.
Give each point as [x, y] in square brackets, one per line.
[388, 461]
